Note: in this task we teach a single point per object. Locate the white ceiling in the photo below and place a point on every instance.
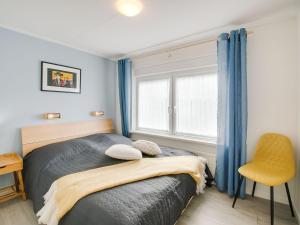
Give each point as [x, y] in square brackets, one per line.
[95, 26]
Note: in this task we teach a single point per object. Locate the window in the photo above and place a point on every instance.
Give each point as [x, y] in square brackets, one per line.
[153, 104]
[175, 92]
[178, 104]
[196, 105]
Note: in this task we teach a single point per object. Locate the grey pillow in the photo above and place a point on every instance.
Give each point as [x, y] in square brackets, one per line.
[124, 152]
[147, 147]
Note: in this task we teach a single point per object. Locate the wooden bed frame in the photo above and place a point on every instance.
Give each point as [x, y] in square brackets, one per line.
[37, 136]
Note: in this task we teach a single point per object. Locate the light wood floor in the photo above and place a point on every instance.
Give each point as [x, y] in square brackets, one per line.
[211, 208]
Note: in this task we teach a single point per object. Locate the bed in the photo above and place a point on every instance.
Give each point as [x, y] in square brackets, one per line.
[155, 201]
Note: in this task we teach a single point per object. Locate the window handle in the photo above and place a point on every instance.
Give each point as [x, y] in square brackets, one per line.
[170, 109]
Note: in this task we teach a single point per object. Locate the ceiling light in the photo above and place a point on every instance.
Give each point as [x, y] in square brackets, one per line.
[129, 7]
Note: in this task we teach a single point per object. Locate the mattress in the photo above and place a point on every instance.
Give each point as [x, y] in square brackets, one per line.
[155, 201]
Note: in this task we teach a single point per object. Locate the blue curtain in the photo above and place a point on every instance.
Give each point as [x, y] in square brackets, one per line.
[232, 110]
[125, 74]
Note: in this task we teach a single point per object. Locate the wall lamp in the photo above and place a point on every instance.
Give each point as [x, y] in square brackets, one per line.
[97, 113]
[51, 116]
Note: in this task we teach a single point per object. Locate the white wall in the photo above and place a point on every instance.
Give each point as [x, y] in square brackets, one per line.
[297, 183]
[272, 88]
[21, 101]
[272, 93]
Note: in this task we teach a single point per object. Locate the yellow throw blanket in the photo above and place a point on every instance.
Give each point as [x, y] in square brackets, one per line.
[66, 191]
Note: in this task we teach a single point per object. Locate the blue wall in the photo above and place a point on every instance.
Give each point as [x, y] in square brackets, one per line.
[21, 101]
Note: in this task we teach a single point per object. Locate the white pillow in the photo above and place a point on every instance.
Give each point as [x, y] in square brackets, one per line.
[147, 147]
[124, 152]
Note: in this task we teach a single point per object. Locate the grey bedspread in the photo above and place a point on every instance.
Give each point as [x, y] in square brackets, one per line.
[155, 201]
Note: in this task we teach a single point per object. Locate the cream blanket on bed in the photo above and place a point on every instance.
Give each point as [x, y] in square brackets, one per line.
[66, 191]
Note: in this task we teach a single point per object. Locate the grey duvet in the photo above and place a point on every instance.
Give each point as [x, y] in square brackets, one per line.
[155, 201]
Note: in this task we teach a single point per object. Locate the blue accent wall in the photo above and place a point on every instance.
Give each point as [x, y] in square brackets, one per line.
[22, 103]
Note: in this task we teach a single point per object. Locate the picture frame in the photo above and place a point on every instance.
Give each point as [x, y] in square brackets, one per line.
[60, 78]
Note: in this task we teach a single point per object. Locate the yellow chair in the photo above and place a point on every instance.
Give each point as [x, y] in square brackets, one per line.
[273, 164]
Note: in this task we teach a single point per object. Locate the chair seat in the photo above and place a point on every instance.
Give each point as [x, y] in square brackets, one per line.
[266, 173]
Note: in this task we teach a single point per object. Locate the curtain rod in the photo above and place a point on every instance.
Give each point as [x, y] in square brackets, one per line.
[181, 46]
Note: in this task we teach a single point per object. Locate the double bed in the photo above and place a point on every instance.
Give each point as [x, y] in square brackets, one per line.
[155, 201]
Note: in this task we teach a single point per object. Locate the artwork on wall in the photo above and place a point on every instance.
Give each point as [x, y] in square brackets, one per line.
[60, 78]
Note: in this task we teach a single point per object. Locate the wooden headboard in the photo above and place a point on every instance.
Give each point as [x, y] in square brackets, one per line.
[37, 136]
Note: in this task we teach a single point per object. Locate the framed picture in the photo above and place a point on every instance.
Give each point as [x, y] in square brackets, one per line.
[60, 78]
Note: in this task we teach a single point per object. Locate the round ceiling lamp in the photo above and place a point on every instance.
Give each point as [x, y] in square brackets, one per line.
[129, 7]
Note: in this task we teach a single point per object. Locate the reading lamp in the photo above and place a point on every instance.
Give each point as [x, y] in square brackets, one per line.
[51, 116]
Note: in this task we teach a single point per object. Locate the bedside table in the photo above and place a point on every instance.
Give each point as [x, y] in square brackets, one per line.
[12, 163]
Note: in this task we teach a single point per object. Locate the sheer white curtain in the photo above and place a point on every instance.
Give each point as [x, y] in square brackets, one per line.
[196, 104]
[153, 103]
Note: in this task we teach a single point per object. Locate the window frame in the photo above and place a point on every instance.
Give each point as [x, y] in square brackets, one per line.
[172, 76]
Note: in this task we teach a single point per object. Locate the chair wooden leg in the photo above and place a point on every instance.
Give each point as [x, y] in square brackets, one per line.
[272, 204]
[289, 198]
[238, 191]
[253, 189]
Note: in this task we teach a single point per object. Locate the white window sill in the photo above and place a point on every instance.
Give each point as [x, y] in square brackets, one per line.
[205, 141]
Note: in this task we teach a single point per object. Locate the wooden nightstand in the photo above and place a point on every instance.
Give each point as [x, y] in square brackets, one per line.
[12, 163]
